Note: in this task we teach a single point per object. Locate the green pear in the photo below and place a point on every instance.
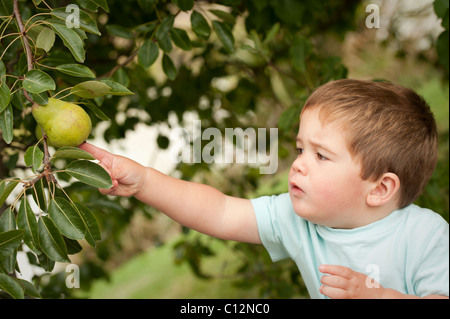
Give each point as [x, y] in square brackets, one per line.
[64, 123]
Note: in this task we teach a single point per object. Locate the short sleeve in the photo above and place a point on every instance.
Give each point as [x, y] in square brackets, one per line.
[269, 211]
[431, 277]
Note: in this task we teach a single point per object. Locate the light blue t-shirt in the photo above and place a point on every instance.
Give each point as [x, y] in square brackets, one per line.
[407, 251]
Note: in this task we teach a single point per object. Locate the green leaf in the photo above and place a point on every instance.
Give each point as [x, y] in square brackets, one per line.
[441, 8]
[9, 242]
[102, 4]
[169, 67]
[147, 5]
[26, 220]
[73, 247]
[96, 110]
[2, 70]
[272, 33]
[165, 26]
[51, 241]
[72, 152]
[86, 22]
[71, 40]
[300, 49]
[45, 39]
[117, 88]
[89, 173]
[91, 89]
[76, 70]
[5, 95]
[40, 98]
[119, 31]
[28, 288]
[148, 53]
[226, 17]
[288, 118]
[165, 43]
[38, 193]
[46, 263]
[37, 81]
[181, 39]
[7, 220]
[200, 26]
[442, 49]
[6, 189]
[11, 287]
[66, 218]
[92, 230]
[33, 157]
[162, 33]
[224, 34]
[6, 124]
[184, 5]
[121, 77]
[6, 7]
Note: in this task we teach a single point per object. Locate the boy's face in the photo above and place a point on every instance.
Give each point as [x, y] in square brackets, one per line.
[324, 181]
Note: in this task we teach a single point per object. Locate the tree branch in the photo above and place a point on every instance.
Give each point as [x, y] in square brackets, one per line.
[28, 52]
[30, 64]
[118, 66]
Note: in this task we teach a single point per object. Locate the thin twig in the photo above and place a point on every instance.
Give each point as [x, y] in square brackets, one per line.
[118, 66]
[28, 52]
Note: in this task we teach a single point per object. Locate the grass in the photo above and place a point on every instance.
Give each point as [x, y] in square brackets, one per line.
[153, 275]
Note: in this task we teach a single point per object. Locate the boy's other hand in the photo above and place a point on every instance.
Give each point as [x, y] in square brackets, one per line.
[126, 174]
[345, 283]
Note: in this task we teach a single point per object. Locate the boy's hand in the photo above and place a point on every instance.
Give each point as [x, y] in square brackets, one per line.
[345, 283]
[126, 174]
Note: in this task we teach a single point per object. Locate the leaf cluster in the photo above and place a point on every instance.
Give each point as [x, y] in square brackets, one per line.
[52, 229]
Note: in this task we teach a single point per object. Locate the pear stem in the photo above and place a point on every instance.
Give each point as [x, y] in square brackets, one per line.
[46, 160]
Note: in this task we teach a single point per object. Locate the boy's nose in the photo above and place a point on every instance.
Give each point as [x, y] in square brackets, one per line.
[299, 165]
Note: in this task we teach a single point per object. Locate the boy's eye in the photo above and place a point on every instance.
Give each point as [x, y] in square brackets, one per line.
[321, 157]
[299, 151]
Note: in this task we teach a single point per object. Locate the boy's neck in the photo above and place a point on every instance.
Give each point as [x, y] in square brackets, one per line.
[373, 214]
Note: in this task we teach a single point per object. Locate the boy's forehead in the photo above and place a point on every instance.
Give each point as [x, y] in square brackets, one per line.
[312, 121]
[319, 116]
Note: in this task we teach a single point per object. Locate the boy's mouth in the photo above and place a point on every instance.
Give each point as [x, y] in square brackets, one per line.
[295, 189]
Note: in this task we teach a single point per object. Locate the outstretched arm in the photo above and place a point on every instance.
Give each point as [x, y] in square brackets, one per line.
[193, 205]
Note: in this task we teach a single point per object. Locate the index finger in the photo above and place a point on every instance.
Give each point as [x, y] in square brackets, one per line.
[97, 152]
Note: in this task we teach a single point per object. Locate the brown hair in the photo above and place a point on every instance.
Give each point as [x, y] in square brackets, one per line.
[389, 128]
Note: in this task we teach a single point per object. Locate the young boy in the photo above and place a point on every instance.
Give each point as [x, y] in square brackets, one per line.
[365, 152]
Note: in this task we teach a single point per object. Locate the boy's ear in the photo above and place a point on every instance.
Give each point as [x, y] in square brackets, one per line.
[384, 189]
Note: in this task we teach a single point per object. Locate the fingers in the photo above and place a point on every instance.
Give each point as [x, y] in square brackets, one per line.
[110, 191]
[105, 160]
[336, 283]
[97, 152]
[334, 293]
[336, 270]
